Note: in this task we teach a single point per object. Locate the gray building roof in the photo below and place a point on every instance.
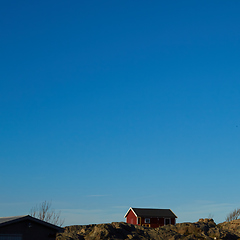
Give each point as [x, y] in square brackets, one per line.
[9, 220]
[152, 212]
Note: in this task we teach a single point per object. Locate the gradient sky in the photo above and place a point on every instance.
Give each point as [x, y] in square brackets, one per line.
[106, 105]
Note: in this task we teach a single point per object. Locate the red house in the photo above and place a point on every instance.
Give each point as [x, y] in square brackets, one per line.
[150, 217]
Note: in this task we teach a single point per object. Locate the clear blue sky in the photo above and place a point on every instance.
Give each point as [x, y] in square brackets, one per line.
[106, 105]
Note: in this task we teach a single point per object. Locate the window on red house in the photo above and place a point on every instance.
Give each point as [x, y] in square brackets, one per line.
[167, 221]
[147, 220]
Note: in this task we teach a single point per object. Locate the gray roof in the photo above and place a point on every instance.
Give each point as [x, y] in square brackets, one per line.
[152, 212]
[9, 220]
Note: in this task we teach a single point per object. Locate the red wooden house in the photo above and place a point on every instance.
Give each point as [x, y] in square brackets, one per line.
[150, 217]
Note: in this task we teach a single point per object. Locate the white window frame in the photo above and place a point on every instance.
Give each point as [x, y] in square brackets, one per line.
[147, 220]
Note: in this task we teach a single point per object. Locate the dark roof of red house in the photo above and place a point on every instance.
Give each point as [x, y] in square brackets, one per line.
[9, 220]
[151, 212]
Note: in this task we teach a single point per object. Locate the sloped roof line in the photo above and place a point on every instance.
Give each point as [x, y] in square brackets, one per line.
[129, 211]
[10, 220]
[7, 219]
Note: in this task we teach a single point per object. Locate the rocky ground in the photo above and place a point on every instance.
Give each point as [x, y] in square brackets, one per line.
[203, 229]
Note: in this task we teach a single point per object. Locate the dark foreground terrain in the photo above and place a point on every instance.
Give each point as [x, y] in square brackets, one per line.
[203, 229]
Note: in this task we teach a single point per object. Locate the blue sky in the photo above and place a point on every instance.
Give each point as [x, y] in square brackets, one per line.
[107, 105]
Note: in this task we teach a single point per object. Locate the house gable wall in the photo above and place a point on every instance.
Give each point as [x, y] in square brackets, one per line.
[131, 218]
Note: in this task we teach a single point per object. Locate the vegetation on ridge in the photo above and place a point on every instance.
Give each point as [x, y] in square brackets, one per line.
[203, 229]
